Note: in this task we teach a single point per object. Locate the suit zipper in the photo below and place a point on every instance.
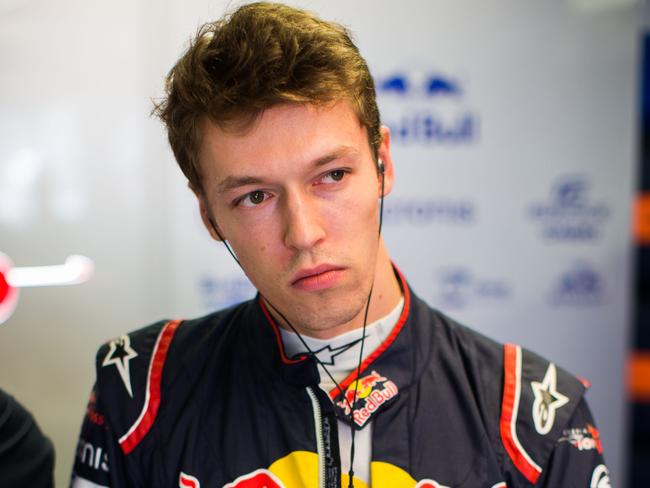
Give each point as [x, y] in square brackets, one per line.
[320, 442]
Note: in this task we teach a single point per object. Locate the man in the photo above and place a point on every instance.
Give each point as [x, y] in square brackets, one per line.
[271, 115]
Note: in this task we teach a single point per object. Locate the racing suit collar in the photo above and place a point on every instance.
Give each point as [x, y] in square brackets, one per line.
[303, 371]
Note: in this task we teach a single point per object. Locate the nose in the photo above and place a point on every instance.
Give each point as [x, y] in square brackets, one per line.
[303, 226]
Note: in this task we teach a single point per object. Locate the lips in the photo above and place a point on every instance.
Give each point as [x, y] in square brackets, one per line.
[317, 278]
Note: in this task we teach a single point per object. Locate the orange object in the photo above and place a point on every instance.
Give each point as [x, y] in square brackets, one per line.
[638, 376]
[641, 218]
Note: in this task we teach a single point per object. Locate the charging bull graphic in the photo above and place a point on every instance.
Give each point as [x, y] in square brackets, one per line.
[300, 470]
[364, 397]
[75, 270]
[261, 478]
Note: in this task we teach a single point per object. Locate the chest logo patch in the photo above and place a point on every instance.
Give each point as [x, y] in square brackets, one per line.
[547, 401]
[119, 354]
[372, 391]
[327, 355]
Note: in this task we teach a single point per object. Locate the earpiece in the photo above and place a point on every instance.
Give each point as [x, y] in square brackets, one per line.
[380, 166]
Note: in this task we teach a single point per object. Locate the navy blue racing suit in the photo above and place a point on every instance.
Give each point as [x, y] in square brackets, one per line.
[216, 402]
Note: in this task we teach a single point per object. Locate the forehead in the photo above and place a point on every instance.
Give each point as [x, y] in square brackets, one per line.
[281, 135]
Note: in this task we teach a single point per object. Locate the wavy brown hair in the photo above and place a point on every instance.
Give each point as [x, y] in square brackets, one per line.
[261, 55]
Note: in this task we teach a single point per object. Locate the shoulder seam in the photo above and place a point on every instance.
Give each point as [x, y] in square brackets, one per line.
[509, 410]
[147, 416]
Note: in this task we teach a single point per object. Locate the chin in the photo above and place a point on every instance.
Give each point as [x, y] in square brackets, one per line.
[325, 316]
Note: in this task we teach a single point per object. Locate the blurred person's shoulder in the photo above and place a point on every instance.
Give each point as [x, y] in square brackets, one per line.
[26, 455]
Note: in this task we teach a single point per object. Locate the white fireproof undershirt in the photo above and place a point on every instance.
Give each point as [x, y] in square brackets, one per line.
[340, 355]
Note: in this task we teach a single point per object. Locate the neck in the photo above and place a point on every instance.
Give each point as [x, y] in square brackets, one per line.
[386, 292]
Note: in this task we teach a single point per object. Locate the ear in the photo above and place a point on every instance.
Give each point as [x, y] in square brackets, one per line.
[383, 153]
[206, 218]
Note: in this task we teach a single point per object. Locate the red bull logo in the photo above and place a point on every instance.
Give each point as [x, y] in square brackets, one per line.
[363, 387]
[364, 397]
[300, 469]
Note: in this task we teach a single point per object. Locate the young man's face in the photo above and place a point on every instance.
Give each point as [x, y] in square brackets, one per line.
[296, 196]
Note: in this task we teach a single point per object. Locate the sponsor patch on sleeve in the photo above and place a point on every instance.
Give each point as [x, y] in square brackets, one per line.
[91, 461]
[585, 438]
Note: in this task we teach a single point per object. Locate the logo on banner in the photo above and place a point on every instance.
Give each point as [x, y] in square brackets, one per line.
[459, 288]
[426, 108]
[426, 211]
[581, 286]
[547, 401]
[217, 293]
[372, 391]
[569, 214]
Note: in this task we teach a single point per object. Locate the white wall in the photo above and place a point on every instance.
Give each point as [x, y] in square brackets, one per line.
[546, 91]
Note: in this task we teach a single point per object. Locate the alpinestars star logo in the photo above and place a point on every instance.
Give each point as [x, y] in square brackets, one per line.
[547, 400]
[120, 353]
[327, 354]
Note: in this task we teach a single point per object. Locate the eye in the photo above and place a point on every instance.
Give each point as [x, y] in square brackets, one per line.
[252, 199]
[334, 176]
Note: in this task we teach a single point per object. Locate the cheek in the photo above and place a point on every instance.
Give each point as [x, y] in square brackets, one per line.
[358, 211]
[252, 249]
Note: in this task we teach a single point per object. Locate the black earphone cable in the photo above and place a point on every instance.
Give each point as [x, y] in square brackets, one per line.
[293, 329]
[380, 166]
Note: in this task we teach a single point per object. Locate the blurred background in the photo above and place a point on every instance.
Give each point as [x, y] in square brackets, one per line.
[521, 151]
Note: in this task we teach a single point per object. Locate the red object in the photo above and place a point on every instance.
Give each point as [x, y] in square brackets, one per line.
[511, 393]
[8, 293]
[4, 287]
[260, 478]
[638, 376]
[187, 481]
[641, 219]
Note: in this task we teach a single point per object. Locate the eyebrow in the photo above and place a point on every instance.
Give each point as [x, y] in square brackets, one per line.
[232, 182]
